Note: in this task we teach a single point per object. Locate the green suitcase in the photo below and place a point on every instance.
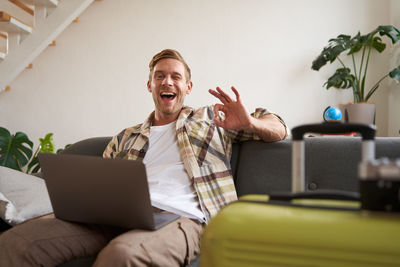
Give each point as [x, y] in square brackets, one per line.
[250, 232]
[302, 228]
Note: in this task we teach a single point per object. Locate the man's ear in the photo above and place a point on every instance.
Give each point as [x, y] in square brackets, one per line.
[148, 86]
[189, 87]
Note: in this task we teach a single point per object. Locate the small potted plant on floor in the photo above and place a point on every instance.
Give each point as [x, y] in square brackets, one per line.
[355, 76]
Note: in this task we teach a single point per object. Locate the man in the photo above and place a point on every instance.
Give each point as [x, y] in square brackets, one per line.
[187, 157]
[193, 147]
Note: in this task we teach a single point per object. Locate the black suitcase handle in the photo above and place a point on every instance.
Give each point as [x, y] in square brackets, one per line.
[298, 154]
[367, 131]
[320, 194]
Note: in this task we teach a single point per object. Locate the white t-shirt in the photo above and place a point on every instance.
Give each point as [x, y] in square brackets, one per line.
[169, 183]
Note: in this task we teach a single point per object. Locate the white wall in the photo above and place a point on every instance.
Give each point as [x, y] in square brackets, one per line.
[93, 83]
[394, 91]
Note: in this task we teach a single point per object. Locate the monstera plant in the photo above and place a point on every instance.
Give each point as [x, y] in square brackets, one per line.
[16, 151]
[355, 77]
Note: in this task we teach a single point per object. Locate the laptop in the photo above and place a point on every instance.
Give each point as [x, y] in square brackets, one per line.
[96, 190]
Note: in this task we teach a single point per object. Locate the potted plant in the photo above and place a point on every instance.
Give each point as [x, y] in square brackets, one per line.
[16, 151]
[355, 77]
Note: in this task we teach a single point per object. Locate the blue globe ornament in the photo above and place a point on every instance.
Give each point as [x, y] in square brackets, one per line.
[332, 114]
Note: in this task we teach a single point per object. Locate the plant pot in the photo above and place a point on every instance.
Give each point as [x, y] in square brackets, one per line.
[358, 113]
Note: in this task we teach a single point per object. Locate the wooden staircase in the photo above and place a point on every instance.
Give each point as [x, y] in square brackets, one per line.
[21, 41]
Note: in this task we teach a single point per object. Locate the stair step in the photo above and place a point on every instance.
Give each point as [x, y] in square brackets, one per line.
[3, 46]
[12, 25]
[46, 3]
[23, 6]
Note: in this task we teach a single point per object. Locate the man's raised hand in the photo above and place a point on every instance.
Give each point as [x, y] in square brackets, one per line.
[235, 116]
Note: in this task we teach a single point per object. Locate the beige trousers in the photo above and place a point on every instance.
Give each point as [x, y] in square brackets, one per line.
[47, 241]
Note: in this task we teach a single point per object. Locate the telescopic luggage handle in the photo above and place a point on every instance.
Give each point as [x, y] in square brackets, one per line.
[298, 162]
[367, 131]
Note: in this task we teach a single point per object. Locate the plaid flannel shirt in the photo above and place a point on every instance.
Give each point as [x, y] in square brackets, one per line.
[205, 151]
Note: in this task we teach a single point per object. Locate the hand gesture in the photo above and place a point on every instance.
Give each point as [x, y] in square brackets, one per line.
[235, 116]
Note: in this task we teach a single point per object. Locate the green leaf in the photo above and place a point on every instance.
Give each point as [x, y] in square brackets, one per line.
[356, 47]
[4, 138]
[36, 169]
[15, 150]
[33, 164]
[23, 160]
[60, 150]
[356, 43]
[335, 47]
[341, 79]
[377, 44]
[395, 74]
[389, 31]
[318, 63]
[47, 144]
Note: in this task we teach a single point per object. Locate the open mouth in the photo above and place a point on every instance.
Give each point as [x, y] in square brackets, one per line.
[167, 95]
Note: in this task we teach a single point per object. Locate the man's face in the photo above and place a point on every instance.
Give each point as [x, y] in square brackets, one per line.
[169, 86]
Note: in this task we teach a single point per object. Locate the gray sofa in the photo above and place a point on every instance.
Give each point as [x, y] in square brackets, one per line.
[263, 168]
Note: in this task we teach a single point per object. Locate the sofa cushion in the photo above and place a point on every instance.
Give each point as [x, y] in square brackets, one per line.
[22, 196]
[90, 147]
[262, 167]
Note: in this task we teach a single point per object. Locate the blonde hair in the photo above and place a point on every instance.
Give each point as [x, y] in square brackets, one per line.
[169, 53]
